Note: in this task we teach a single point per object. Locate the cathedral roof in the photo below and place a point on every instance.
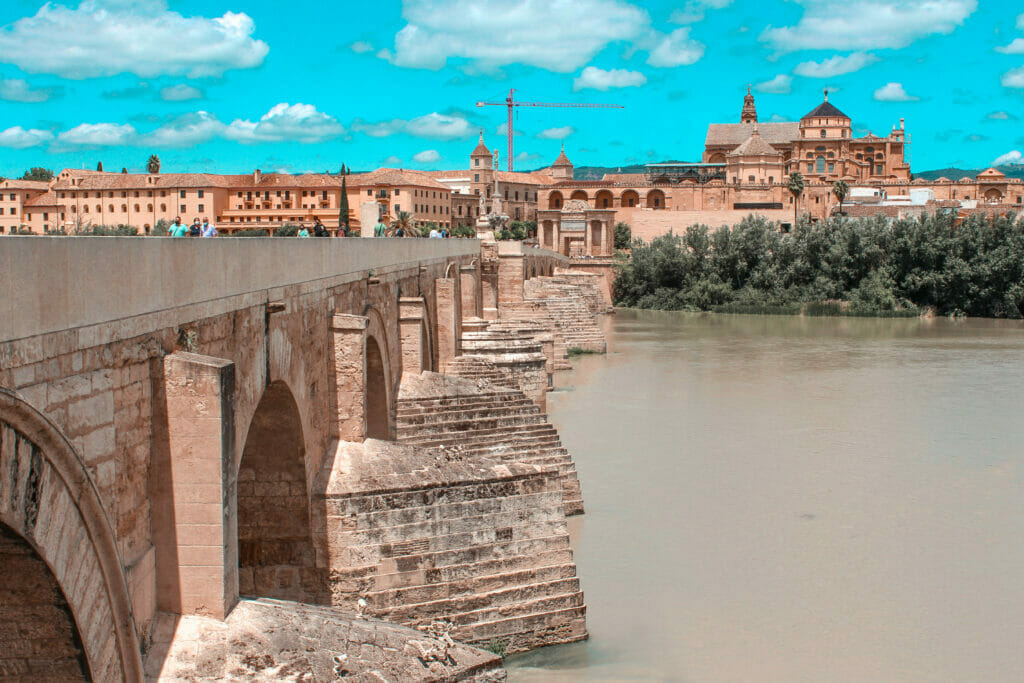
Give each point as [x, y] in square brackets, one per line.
[562, 160]
[754, 146]
[825, 109]
[481, 148]
[733, 134]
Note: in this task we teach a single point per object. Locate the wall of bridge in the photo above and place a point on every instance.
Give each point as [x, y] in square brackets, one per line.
[96, 409]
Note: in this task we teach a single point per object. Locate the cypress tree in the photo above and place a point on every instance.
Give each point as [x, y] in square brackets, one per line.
[99, 166]
[343, 205]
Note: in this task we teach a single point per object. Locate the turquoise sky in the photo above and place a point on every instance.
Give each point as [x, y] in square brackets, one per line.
[224, 86]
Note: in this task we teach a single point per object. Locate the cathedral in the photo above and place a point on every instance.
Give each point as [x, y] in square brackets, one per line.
[820, 146]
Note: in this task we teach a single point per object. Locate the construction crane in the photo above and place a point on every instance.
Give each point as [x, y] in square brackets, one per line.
[512, 104]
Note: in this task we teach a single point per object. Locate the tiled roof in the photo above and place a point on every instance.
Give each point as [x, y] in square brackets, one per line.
[15, 184]
[754, 146]
[395, 176]
[481, 148]
[825, 109]
[141, 181]
[625, 178]
[45, 199]
[562, 160]
[527, 178]
[733, 134]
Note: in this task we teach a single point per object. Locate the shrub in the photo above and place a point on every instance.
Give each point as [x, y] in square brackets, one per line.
[623, 235]
[286, 230]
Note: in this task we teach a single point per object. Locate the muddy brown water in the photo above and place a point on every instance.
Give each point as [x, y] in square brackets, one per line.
[796, 499]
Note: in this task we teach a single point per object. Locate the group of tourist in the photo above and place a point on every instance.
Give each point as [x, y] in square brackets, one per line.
[197, 229]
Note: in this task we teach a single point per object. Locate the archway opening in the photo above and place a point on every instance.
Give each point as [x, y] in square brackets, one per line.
[376, 392]
[275, 547]
[555, 200]
[655, 199]
[44, 643]
[604, 199]
[579, 194]
[630, 198]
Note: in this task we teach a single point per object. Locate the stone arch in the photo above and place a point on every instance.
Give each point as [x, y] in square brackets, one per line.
[555, 200]
[630, 199]
[655, 199]
[376, 392]
[48, 500]
[32, 600]
[580, 194]
[993, 196]
[717, 158]
[379, 404]
[275, 548]
[604, 199]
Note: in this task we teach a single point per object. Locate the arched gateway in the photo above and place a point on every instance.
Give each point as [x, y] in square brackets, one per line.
[51, 518]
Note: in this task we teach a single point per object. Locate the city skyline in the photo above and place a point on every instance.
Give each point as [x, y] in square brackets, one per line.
[225, 88]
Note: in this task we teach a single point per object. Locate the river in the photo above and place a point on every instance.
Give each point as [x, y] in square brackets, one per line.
[796, 499]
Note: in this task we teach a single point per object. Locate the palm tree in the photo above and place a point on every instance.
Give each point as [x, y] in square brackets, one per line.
[840, 189]
[796, 188]
[153, 165]
[407, 222]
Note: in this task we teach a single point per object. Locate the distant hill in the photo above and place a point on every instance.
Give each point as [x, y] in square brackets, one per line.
[597, 172]
[958, 173]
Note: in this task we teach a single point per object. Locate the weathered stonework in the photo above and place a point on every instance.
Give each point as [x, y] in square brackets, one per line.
[167, 447]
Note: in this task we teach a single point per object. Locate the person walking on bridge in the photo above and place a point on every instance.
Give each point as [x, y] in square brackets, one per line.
[380, 230]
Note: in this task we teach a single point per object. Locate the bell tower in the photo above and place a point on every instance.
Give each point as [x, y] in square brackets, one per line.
[749, 113]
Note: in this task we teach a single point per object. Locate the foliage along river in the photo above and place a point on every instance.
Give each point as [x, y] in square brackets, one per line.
[796, 499]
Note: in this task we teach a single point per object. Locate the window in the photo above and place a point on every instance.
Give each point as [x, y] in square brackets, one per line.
[819, 166]
[163, 207]
[110, 208]
[396, 191]
[201, 208]
[860, 156]
[85, 209]
[46, 216]
[878, 170]
[750, 179]
[239, 195]
[149, 207]
[771, 179]
[124, 195]
[517, 195]
[124, 208]
[183, 209]
[476, 162]
[14, 211]
[823, 132]
[287, 194]
[460, 206]
[109, 195]
[323, 194]
[200, 193]
[369, 193]
[183, 194]
[13, 196]
[810, 168]
[398, 208]
[831, 168]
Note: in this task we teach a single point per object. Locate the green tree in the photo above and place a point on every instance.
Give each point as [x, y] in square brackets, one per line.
[38, 173]
[343, 202]
[287, 230]
[623, 235]
[796, 188]
[99, 167]
[841, 190]
[153, 164]
[407, 222]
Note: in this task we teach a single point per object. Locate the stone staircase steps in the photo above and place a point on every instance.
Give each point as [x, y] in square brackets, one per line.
[527, 632]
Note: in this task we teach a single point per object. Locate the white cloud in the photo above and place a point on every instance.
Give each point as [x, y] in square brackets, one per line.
[286, 123]
[676, 49]
[527, 157]
[1011, 157]
[439, 127]
[1001, 116]
[18, 90]
[361, 47]
[503, 130]
[1020, 22]
[427, 156]
[108, 37]
[868, 24]
[836, 66]
[893, 92]
[392, 161]
[90, 135]
[693, 11]
[180, 93]
[1014, 78]
[1016, 47]
[19, 138]
[434, 126]
[780, 85]
[599, 79]
[559, 133]
[185, 131]
[495, 33]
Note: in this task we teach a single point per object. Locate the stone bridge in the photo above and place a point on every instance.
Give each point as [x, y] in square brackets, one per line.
[184, 422]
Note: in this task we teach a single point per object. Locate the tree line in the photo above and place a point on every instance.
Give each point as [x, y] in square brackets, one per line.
[870, 266]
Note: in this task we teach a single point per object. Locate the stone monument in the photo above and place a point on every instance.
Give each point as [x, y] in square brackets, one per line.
[495, 220]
